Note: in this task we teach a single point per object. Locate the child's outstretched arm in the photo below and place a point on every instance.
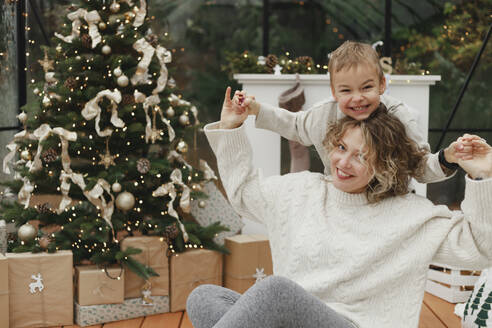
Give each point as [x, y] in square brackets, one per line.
[306, 127]
[434, 170]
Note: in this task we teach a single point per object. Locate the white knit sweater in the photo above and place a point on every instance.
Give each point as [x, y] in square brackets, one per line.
[368, 262]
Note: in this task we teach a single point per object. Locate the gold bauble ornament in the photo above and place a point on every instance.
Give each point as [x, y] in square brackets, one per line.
[102, 25]
[196, 187]
[202, 204]
[114, 7]
[59, 48]
[36, 91]
[27, 232]
[171, 82]
[184, 119]
[170, 112]
[44, 242]
[116, 187]
[123, 81]
[117, 71]
[140, 97]
[125, 201]
[25, 155]
[22, 117]
[46, 102]
[106, 50]
[182, 147]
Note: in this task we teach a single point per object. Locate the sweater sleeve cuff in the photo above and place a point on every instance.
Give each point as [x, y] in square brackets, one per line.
[478, 194]
[226, 142]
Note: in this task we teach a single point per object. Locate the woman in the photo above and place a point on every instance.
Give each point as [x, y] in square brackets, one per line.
[353, 249]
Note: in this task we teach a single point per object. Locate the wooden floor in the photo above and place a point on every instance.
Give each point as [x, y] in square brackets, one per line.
[436, 313]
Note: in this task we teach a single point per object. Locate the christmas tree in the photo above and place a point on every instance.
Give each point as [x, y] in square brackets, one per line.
[109, 134]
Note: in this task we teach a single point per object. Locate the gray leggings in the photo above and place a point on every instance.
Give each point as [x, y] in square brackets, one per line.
[273, 302]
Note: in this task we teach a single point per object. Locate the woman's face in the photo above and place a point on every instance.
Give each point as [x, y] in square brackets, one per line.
[349, 170]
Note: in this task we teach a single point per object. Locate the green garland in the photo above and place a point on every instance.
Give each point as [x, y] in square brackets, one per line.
[247, 62]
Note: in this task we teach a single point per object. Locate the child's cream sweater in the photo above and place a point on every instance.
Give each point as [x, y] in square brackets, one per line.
[309, 128]
[368, 262]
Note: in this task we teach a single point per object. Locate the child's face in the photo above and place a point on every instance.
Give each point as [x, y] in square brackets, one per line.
[357, 90]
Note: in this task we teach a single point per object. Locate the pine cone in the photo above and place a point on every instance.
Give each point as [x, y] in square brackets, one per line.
[305, 61]
[171, 232]
[271, 62]
[70, 83]
[153, 40]
[127, 100]
[143, 165]
[86, 40]
[44, 208]
[49, 155]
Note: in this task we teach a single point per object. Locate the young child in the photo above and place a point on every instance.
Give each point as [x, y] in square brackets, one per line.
[357, 85]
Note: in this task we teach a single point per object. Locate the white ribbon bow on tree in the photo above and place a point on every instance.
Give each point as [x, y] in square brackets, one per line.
[141, 75]
[91, 17]
[152, 101]
[140, 15]
[92, 110]
[184, 202]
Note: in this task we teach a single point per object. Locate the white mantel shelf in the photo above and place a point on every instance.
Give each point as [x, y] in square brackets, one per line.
[413, 90]
[310, 79]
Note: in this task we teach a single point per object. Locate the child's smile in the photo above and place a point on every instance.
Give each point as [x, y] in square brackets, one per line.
[357, 90]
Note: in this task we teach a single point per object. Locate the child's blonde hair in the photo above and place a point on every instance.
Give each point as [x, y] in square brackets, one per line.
[352, 54]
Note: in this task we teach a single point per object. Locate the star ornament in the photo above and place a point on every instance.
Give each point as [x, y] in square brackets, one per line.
[46, 63]
[107, 160]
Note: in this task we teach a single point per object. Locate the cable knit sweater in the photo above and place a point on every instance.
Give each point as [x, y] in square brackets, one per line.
[366, 261]
[309, 128]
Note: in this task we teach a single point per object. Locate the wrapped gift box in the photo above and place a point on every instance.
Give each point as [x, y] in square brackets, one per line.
[250, 259]
[154, 255]
[3, 237]
[190, 269]
[40, 289]
[217, 209]
[450, 283]
[96, 285]
[131, 308]
[4, 292]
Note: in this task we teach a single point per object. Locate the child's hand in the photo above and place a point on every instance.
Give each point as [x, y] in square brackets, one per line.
[473, 154]
[462, 148]
[248, 102]
[233, 113]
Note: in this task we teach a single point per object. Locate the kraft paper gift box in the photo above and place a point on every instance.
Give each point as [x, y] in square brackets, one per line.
[131, 308]
[153, 254]
[250, 259]
[191, 269]
[3, 237]
[4, 292]
[40, 289]
[98, 285]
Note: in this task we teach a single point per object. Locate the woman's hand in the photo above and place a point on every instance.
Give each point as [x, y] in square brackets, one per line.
[234, 111]
[474, 156]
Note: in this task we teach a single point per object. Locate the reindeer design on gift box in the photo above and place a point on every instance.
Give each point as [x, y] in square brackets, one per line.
[38, 284]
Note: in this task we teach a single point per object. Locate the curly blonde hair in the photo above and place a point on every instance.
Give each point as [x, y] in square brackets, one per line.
[392, 157]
